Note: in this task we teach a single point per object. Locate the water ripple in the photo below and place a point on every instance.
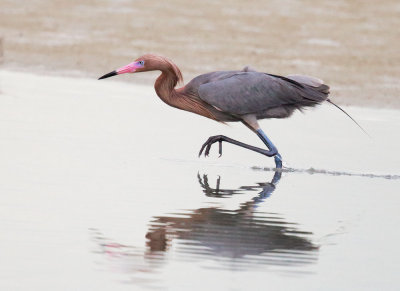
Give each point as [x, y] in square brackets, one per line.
[328, 172]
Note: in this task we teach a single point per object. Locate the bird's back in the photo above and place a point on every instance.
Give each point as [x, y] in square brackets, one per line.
[250, 92]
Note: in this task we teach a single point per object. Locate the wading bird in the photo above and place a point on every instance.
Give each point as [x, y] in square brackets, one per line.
[226, 96]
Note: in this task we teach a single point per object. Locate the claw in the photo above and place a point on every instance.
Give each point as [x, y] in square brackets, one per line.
[220, 148]
[207, 151]
[202, 148]
[206, 147]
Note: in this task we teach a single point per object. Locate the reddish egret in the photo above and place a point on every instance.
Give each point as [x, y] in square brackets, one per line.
[226, 96]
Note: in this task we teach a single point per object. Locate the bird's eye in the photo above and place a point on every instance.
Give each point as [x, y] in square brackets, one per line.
[141, 63]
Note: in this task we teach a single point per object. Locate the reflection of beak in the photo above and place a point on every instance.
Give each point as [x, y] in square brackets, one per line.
[131, 68]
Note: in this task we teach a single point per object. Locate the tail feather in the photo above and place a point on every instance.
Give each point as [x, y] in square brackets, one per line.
[322, 88]
[306, 80]
[314, 89]
[337, 106]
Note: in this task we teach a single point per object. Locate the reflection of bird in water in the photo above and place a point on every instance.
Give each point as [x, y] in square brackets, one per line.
[266, 188]
[240, 238]
[216, 232]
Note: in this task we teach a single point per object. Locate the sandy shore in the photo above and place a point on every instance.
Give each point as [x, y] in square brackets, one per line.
[352, 45]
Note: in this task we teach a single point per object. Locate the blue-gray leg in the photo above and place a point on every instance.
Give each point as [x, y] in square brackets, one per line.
[278, 158]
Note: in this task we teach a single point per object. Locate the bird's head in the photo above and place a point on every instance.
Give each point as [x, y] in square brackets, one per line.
[148, 62]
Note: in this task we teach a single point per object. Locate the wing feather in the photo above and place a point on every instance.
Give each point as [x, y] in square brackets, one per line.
[251, 92]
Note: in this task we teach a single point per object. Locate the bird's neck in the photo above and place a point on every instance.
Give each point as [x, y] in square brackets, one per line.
[165, 87]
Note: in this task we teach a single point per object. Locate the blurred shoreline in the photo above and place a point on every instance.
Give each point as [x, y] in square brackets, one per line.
[352, 45]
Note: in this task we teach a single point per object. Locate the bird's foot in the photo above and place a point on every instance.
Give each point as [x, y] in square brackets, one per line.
[206, 147]
[278, 161]
[210, 141]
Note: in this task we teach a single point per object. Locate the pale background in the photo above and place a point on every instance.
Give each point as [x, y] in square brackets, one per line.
[88, 167]
[352, 45]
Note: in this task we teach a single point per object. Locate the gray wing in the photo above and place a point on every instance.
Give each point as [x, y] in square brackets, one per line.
[251, 92]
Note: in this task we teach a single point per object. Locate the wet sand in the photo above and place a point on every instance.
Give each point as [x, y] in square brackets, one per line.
[352, 45]
[98, 195]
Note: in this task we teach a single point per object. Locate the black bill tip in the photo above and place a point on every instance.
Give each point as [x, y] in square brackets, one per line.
[110, 74]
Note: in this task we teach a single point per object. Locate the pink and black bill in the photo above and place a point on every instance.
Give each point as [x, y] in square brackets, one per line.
[110, 74]
[130, 68]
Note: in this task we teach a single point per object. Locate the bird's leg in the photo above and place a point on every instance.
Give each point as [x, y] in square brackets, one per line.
[272, 150]
[270, 146]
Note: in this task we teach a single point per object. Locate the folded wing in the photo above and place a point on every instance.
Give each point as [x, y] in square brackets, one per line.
[251, 92]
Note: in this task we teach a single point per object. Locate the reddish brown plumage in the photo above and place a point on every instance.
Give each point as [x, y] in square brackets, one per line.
[166, 83]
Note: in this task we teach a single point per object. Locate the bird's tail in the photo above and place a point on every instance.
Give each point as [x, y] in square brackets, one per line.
[337, 106]
[320, 93]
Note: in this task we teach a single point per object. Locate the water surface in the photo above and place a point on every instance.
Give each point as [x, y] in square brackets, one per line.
[102, 189]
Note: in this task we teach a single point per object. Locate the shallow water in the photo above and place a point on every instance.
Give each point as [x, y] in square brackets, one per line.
[102, 189]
